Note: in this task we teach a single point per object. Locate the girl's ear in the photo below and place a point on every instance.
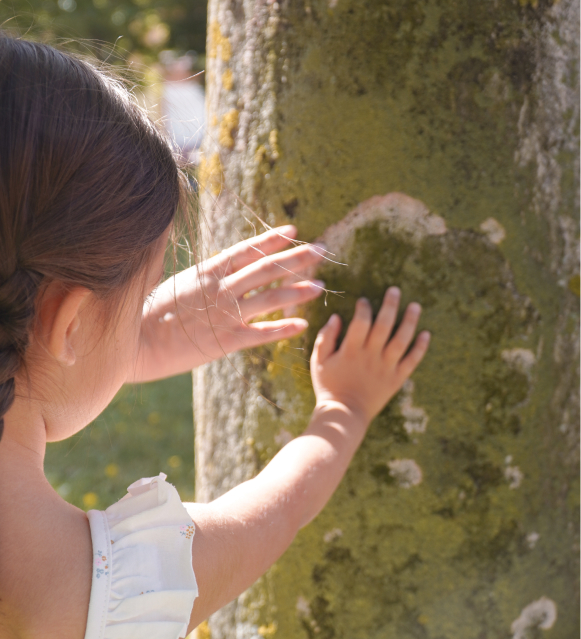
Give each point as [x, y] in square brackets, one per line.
[59, 319]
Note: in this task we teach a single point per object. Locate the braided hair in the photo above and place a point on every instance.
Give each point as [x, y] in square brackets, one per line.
[87, 186]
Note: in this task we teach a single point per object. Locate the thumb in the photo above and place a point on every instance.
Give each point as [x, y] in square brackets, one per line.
[327, 339]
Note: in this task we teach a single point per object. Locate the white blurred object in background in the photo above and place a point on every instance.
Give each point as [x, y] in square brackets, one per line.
[183, 104]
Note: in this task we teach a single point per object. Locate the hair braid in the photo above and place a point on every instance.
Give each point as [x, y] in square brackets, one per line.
[17, 299]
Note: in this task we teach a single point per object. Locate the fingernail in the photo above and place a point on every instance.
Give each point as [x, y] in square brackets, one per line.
[333, 319]
[393, 291]
[318, 284]
[301, 323]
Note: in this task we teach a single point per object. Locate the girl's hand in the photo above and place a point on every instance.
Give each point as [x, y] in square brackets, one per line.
[204, 312]
[371, 365]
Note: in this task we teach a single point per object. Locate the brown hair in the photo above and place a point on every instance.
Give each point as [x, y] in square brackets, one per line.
[87, 186]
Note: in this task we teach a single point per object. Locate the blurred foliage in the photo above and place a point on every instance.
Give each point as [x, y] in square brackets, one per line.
[147, 429]
[139, 29]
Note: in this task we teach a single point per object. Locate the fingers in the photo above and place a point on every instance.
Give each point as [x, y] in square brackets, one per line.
[400, 342]
[268, 269]
[275, 299]
[410, 362]
[385, 320]
[327, 339]
[358, 329]
[264, 332]
[253, 249]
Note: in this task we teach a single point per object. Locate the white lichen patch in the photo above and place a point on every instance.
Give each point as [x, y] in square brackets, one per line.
[331, 535]
[532, 539]
[520, 359]
[303, 607]
[304, 612]
[493, 230]
[542, 613]
[416, 419]
[406, 472]
[398, 213]
[513, 476]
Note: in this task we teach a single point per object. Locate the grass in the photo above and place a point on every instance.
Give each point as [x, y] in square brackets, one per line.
[147, 429]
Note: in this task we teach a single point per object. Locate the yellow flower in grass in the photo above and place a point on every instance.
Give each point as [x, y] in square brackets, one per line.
[90, 500]
[153, 418]
[111, 470]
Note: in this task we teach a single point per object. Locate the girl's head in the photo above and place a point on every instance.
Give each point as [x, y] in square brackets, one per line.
[88, 186]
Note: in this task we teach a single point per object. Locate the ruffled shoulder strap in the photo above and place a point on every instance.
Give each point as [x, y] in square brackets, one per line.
[143, 581]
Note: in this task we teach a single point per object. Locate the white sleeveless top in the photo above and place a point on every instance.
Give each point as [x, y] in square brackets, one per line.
[143, 584]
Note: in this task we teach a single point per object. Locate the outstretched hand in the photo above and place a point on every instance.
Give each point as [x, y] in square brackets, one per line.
[371, 365]
[261, 516]
[205, 312]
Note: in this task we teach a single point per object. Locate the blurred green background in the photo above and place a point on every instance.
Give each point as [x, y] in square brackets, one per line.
[140, 29]
[147, 428]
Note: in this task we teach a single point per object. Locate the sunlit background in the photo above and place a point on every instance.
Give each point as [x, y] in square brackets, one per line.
[160, 46]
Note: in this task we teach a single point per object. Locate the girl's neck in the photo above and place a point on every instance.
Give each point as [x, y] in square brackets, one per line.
[23, 444]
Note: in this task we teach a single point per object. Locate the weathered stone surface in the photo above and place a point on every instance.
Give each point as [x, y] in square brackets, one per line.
[459, 516]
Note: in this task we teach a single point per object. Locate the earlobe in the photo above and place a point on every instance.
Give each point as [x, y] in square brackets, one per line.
[60, 319]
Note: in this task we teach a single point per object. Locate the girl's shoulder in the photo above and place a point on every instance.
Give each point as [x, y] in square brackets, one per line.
[46, 559]
[70, 574]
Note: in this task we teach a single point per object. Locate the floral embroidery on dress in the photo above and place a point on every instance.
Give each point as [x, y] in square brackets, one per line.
[101, 564]
[187, 531]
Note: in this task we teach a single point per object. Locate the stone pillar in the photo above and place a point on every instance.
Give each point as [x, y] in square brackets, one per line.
[434, 146]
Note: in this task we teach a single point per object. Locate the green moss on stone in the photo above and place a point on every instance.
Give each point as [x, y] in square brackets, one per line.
[424, 98]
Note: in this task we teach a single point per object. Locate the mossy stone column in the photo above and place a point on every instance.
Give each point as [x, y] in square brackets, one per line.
[432, 145]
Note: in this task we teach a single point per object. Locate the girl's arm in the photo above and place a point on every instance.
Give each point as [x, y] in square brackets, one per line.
[203, 312]
[241, 534]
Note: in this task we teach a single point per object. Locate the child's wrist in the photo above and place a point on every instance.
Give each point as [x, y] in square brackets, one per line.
[354, 413]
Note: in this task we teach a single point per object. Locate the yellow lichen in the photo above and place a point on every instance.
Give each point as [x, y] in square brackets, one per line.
[273, 142]
[203, 631]
[282, 345]
[226, 50]
[260, 153]
[228, 80]
[218, 43]
[267, 631]
[210, 174]
[227, 125]
[214, 34]
[214, 120]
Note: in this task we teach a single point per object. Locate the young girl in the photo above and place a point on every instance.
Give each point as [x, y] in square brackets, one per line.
[88, 193]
